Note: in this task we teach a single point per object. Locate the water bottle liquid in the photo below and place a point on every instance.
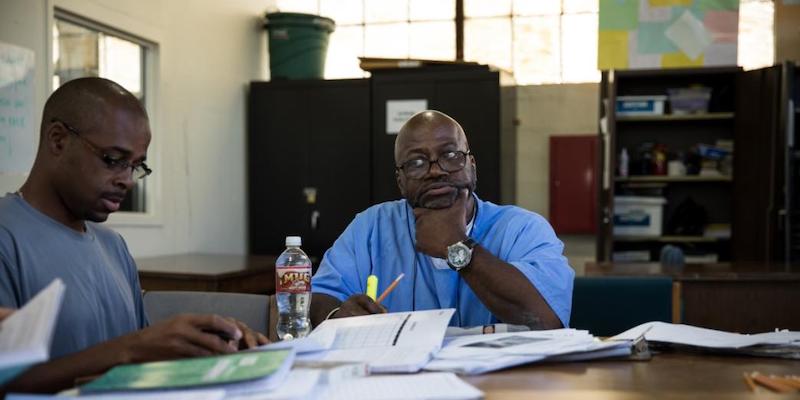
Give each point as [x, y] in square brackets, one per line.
[293, 290]
[623, 163]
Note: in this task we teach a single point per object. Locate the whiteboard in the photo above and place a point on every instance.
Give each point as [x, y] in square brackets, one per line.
[17, 128]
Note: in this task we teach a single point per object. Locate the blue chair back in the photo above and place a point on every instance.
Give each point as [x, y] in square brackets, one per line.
[606, 306]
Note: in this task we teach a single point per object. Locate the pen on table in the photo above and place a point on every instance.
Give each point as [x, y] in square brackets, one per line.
[390, 288]
[372, 287]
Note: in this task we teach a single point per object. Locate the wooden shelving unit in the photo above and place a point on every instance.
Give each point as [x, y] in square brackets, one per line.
[679, 134]
[674, 179]
[669, 239]
[677, 117]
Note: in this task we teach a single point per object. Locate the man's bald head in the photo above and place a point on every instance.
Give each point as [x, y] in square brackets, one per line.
[437, 145]
[94, 133]
[81, 101]
[422, 124]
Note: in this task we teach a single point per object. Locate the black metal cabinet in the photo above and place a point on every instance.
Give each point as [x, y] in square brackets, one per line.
[308, 161]
[759, 167]
[470, 95]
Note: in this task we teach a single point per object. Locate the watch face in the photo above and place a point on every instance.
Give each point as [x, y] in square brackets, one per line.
[458, 255]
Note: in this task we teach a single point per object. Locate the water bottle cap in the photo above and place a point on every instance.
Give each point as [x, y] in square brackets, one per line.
[293, 241]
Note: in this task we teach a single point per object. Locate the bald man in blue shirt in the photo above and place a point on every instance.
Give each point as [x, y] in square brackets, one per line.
[491, 263]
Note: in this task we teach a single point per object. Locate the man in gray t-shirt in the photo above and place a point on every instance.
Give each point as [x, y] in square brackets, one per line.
[93, 143]
[103, 298]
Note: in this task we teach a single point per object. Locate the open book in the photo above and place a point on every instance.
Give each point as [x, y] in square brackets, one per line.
[26, 334]
[393, 342]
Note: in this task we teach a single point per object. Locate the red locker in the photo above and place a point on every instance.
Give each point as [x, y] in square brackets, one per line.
[573, 183]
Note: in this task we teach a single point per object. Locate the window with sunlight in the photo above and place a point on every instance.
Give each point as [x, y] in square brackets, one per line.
[81, 49]
[538, 41]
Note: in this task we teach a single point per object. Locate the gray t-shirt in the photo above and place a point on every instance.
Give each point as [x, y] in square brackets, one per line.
[102, 300]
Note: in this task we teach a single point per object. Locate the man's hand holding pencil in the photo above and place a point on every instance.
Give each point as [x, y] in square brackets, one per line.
[364, 304]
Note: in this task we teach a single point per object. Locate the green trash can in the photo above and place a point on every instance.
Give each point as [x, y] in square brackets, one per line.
[298, 44]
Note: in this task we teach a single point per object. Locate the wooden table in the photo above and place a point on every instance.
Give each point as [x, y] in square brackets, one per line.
[208, 272]
[738, 297]
[667, 375]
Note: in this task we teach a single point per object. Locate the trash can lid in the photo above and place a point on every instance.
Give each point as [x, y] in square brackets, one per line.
[281, 19]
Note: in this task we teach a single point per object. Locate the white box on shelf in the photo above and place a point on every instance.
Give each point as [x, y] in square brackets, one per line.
[631, 256]
[638, 216]
[701, 258]
[640, 105]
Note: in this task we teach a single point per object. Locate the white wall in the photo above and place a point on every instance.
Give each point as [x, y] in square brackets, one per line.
[543, 111]
[208, 51]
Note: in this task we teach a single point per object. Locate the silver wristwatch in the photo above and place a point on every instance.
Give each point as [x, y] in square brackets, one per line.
[459, 254]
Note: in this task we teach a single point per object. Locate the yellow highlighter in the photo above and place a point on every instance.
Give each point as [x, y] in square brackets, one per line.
[372, 287]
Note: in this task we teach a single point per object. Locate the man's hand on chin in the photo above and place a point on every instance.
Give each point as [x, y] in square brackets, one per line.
[439, 228]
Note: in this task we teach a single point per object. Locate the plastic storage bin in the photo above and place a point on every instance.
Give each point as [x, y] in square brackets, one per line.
[689, 100]
[638, 216]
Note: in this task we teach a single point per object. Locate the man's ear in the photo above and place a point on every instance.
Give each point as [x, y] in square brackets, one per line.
[399, 181]
[55, 138]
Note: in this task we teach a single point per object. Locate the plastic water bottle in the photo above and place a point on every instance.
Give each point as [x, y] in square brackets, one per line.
[293, 290]
[623, 163]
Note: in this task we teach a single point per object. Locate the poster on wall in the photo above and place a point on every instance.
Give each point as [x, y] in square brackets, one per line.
[640, 34]
[17, 130]
[399, 111]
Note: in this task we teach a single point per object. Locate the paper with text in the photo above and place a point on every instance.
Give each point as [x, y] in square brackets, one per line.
[392, 342]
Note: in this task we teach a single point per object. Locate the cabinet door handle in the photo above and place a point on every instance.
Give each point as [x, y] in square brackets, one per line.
[314, 218]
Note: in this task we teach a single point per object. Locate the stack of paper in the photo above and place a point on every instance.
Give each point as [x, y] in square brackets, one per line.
[443, 386]
[302, 384]
[483, 353]
[453, 331]
[25, 335]
[784, 344]
[394, 342]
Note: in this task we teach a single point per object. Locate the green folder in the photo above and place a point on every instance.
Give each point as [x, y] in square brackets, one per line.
[197, 372]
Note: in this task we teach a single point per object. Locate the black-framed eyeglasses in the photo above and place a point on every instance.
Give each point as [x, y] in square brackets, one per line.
[116, 164]
[449, 161]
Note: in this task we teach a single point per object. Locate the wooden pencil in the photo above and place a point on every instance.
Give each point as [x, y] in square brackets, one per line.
[771, 384]
[390, 288]
[749, 381]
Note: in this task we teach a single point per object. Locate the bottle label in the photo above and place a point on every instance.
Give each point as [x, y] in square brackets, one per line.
[296, 279]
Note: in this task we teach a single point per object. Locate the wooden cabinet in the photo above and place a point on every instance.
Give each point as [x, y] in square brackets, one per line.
[746, 199]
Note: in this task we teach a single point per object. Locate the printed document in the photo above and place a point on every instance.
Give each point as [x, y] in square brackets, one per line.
[392, 342]
[483, 353]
